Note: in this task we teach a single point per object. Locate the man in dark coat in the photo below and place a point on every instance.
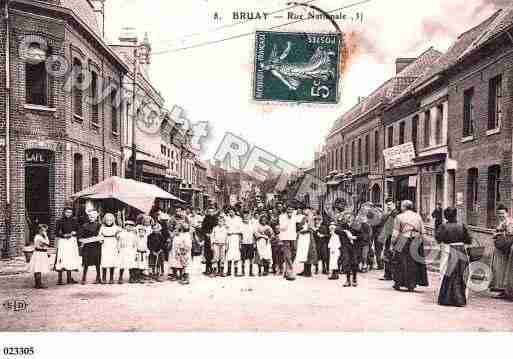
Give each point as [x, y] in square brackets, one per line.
[320, 234]
[385, 237]
[437, 215]
[209, 222]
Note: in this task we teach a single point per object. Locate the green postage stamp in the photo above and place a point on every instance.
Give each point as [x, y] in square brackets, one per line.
[296, 67]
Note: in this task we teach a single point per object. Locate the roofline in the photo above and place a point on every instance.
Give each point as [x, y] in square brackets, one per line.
[70, 12]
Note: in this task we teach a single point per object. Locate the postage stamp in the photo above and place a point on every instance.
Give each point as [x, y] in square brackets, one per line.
[296, 67]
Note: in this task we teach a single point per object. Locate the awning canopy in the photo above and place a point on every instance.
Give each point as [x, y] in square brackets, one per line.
[139, 195]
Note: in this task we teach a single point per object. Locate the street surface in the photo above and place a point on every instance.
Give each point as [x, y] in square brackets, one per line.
[254, 304]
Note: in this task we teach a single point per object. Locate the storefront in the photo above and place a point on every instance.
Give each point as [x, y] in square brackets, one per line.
[401, 173]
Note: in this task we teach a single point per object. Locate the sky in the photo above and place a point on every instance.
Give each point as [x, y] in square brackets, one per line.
[214, 82]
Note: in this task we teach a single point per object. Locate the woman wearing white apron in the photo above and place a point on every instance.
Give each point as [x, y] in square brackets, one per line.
[67, 257]
[109, 239]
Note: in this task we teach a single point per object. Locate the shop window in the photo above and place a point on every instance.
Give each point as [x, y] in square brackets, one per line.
[438, 124]
[390, 136]
[401, 132]
[495, 102]
[94, 98]
[114, 169]
[77, 172]
[468, 113]
[427, 129]
[114, 111]
[472, 195]
[36, 82]
[414, 128]
[493, 194]
[95, 171]
[77, 88]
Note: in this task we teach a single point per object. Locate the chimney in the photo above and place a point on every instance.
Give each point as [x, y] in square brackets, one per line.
[128, 35]
[401, 63]
[99, 11]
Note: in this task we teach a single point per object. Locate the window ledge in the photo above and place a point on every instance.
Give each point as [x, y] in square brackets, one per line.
[467, 139]
[41, 108]
[493, 131]
[78, 118]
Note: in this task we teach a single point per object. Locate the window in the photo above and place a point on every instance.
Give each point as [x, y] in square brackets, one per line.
[347, 157]
[494, 194]
[359, 152]
[376, 147]
[77, 87]
[341, 158]
[336, 159]
[366, 158]
[495, 102]
[114, 169]
[94, 98]
[438, 124]
[468, 113]
[77, 172]
[390, 136]
[472, 195]
[95, 171]
[427, 128]
[352, 155]
[401, 132]
[414, 126]
[36, 83]
[114, 111]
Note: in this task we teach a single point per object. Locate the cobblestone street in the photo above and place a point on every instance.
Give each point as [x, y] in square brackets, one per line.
[254, 304]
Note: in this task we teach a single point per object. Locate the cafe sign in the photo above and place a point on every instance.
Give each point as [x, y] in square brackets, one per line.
[37, 157]
[399, 156]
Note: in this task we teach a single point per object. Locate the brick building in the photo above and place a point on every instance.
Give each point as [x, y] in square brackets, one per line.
[57, 137]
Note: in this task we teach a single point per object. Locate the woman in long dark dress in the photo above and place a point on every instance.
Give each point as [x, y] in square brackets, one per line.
[452, 237]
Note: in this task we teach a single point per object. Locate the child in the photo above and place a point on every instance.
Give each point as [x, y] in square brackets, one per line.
[127, 246]
[108, 236]
[142, 255]
[40, 263]
[156, 246]
[233, 222]
[247, 244]
[334, 250]
[263, 235]
[183, 255]
[219, 241]
[350, 249]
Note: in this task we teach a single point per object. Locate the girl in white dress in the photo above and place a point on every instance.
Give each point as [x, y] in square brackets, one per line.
[334, 245]
[40, 263]
[127, 246]
[110, 254]
[263, 236]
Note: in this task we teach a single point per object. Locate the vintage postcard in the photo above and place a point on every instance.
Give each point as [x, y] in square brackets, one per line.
[254, 166]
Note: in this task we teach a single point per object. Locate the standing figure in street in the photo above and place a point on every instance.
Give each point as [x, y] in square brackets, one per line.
[219, 240]
[91, 247]
[109, 239]
[363, 232]
[502, 259]
[351, 249]
[141, 258]
[156, 246]
[453, 237]
[321, 237]
[276, 245]
[39, 262]
[208, 224]
[307, 250]
[67, 258]
[233, 222]
[263, 236]
[288, 236]
[334, 246]
[247, 244]
[127, 247]
[385, 237]
[182, 253]
[437, 215]
[409, 268]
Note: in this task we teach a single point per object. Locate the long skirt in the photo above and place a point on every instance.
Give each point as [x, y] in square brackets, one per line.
[303, 244]
[39, 262]
[453, 265]
[408, 271]
[110, 257]
[67, 254]
[502, 269]
[334, 256]
[264, 251]
[233, 250]
[127, 258]
[91, 254]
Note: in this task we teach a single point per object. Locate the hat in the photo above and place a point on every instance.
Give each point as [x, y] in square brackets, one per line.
[68, 205]
[129, 223]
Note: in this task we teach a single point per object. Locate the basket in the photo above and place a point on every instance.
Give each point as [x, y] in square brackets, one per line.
[475, 252]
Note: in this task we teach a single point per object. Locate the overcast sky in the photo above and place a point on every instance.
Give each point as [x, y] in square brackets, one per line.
[214, 82]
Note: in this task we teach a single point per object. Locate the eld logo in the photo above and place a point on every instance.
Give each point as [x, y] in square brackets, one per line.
[15, 305]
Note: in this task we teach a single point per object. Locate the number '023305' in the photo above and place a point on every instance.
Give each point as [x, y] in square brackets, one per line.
[18, 351]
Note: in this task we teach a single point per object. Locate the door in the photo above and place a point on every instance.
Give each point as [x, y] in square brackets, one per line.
[37, 187]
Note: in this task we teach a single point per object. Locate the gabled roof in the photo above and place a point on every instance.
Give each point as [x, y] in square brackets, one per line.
[388, 90]
[84, 10]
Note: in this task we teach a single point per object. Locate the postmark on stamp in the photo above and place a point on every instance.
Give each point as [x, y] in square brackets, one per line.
[296, 67]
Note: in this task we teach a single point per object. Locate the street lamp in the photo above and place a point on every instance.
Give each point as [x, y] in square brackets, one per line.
[142, 55]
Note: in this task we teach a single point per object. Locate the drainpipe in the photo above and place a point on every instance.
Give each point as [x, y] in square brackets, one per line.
[5, 251]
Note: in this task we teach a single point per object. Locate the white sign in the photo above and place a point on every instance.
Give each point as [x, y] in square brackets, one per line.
[399, 156]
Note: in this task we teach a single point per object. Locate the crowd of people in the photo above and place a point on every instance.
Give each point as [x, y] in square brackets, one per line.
[262, 242]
